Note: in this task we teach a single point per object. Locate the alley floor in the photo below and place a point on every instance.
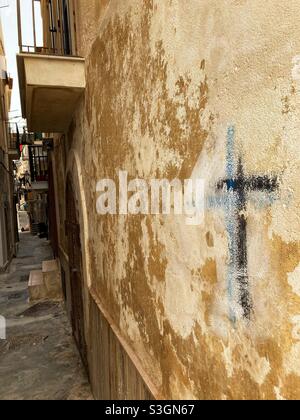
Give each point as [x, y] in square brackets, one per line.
[38, 359]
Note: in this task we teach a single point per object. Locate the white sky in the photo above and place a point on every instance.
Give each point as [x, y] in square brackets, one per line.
[11, 44]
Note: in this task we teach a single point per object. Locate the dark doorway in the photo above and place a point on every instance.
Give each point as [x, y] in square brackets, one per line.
[76, 277]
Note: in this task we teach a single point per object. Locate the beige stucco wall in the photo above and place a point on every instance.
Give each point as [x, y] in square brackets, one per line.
[165, 81]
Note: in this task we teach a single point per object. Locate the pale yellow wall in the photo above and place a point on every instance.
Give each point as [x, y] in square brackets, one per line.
[165, 81]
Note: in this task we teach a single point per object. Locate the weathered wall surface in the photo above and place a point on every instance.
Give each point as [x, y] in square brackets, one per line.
[203, 89]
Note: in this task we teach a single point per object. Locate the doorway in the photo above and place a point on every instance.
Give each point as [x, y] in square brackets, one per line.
[76, 276]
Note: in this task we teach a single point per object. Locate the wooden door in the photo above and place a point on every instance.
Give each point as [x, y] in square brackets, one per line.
[76, 277]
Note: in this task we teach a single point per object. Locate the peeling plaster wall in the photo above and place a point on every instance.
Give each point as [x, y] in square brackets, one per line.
[165, 82]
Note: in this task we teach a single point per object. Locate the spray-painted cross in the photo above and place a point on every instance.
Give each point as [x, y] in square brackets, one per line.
[236, 188]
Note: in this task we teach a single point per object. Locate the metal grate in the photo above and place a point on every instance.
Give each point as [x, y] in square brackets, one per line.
[38, 160]
[76, 276]
[59, 28]
[29, 49]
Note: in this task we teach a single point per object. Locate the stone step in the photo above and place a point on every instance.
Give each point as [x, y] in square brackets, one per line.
[50, 266]
[36, 286]
[52, 279]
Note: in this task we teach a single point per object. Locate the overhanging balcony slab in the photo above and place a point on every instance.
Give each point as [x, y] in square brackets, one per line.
[50, 88]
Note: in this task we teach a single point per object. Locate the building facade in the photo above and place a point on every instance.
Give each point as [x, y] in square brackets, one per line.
[209, 90]
[8, 152]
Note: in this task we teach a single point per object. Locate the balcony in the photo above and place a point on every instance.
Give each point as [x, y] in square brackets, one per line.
[51, 78]
[38, 161]
[13, 147]
[50, 87]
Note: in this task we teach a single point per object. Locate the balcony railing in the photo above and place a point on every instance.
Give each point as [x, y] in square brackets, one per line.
[38, 160]
[53, 27]
[14, 146]
[29, 49]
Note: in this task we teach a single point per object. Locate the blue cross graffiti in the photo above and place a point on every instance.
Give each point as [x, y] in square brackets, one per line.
[233, 195]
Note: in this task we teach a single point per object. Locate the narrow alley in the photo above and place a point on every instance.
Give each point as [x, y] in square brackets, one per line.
[39, 359]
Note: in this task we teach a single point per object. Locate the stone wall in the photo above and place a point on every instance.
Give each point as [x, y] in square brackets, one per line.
[210, 90]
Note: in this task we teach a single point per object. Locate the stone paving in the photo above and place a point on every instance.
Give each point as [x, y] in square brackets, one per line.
[38, 359]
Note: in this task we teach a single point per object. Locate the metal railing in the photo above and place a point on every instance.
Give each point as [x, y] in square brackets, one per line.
[38, 160]
[28, 49]
[13, 142]
[57, 17]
